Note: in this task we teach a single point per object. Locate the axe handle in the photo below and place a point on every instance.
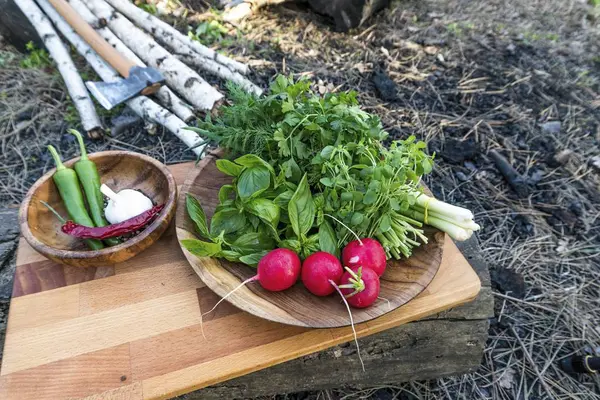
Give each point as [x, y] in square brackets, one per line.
[101, 46]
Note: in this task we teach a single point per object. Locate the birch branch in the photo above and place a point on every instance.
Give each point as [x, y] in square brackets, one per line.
[186, 55]
[141, 105]
[75, 86]
[165, 32]
[165, 96]
[178, 76]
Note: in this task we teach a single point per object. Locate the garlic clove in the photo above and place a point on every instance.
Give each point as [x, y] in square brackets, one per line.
[124, 205]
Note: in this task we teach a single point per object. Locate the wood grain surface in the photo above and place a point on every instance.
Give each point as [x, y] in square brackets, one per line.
[402, 281]
[138, 334]
[119, 170]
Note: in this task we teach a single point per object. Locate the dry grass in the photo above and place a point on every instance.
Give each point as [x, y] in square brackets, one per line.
[486, 75]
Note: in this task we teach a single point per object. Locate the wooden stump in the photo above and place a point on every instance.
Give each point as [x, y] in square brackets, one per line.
[348, 14]
[450, 343]
[15, 27]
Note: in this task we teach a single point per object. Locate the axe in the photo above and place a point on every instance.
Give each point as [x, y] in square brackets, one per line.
[138, 80]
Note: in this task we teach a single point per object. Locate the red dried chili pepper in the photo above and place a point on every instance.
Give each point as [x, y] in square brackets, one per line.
[114, 230]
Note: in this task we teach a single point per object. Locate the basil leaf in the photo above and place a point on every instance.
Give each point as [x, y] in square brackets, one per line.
[229, 168]
[253, 220]
[311, 245]
[230, 255]
[228, 220]
[253, 259]
[319, 201]
[283, 199]
[253, 181]
[312, 240]
[264, 209]
[250, 242]
[200, 248]
[328, 239]
[291, 244]
[251, 160]
[197, 214]
[292, 170]
[225, 192]
[301, 209]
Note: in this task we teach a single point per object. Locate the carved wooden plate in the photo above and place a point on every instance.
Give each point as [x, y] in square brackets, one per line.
[402, 281]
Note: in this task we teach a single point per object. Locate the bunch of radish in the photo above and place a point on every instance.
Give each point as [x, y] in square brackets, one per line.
[364, 262]
[322, 274]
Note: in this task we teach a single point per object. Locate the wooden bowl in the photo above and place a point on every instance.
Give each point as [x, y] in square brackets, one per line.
[119, 170]
[402, 281]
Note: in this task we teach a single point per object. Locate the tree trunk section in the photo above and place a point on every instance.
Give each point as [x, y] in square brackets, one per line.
[15, 28]
[348, 14]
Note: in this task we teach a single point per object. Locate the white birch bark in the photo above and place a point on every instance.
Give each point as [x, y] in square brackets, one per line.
[186, 55]
[141, 105]
[177, 75]
[165, 96]
[163, 31]
[57, 50]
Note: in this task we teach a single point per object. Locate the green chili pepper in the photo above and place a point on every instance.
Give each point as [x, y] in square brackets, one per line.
[68, 187]
[90, 180]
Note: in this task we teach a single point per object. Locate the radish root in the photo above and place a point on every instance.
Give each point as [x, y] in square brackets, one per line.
[388, 302]
[345, 226]
[332, 283]
[252, 279]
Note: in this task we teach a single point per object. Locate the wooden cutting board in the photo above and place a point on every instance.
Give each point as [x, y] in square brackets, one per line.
[133, 330]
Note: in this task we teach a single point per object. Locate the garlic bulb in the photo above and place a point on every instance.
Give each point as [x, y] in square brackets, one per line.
[126, 204]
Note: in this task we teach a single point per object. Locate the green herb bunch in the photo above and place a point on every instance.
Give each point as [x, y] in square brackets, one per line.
[291, 125]
[331, 176]
[257, 212]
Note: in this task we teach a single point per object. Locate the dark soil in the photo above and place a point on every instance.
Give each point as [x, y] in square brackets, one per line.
[518, 77]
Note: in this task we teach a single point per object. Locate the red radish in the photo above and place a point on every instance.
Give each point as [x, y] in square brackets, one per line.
[360, 286]
[318, 270]
[278, 270]
[366, 253]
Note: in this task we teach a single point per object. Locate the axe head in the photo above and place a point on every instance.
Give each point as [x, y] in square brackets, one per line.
[110, 94]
